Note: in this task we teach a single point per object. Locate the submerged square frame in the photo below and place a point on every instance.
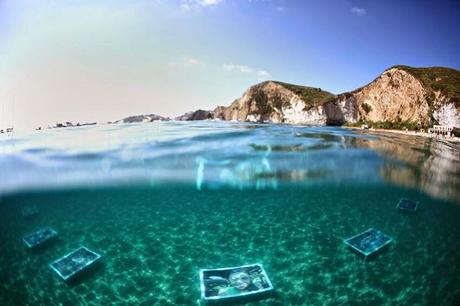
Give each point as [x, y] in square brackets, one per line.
[407, 205]
[368, 242]
[75, 262]
[204, 273]
[29, 210]
[39, 237]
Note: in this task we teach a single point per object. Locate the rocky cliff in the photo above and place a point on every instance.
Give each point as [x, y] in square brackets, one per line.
[401, 96]
[279, 103]
[418, 97]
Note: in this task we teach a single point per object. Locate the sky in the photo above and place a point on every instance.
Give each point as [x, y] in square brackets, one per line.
[91, 60]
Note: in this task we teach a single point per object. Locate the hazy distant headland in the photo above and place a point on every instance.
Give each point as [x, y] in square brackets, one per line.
[67, 124]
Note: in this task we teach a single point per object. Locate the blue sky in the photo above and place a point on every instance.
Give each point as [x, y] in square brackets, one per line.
[90, 60]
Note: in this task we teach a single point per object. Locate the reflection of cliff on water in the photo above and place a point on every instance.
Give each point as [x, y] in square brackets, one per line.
[430, 165]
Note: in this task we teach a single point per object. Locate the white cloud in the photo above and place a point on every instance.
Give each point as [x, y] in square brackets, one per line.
[196, 4]
[358, 11]
[261, 74]
[209, 2]
[185, 62]
[239, 68]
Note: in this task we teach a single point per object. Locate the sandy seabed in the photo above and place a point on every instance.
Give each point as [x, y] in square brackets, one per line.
[154, 241]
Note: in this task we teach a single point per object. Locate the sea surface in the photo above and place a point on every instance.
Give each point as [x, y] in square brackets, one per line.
[160, 201]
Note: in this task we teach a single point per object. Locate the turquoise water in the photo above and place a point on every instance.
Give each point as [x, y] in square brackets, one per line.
[161, 201]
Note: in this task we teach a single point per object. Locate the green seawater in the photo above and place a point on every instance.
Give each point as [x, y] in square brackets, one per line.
[160, 201]
[155, 240]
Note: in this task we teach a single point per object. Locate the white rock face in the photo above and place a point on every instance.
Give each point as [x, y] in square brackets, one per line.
[341, 111]
[253, 118]
[447, 115]
[295, 113]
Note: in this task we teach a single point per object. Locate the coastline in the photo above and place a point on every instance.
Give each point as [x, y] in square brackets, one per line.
[408, 133]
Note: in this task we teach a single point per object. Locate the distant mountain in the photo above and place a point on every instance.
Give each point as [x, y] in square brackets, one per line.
[142, 118]
[401, 97]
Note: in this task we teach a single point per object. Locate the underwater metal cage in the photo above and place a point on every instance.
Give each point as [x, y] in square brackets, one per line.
[407, 205]
[39, 237]
[234, 283]
[29, 211]
[368, 242]
[74, 263]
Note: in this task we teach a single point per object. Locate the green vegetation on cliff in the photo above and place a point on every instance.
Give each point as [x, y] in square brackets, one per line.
[310, 95]
[446, 80]
[267, 102]
[411, 126]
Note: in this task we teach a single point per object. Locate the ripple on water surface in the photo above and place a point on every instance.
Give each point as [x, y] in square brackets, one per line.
[225, 154]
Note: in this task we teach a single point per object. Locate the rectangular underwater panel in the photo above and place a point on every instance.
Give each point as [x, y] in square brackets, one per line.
[75, 262]
[234, 282]
[406, 204]
[39, 237]
[29, 211]
[369, 241]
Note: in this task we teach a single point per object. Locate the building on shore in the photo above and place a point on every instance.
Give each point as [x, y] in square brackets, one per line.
[442, 130]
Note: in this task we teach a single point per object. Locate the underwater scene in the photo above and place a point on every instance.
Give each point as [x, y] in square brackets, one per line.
[335, 216]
